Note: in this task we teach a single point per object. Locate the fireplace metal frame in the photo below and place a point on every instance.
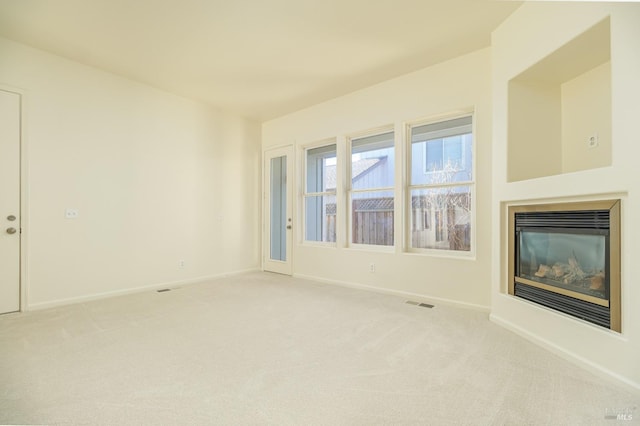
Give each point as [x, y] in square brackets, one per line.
[614, 302]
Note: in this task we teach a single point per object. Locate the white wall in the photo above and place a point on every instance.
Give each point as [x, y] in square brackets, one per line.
[156, 178]
[532, 32]
[534, 150]
[457, 84]
[586, 111]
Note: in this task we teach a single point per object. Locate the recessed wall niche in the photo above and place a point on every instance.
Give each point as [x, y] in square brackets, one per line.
[559, 110]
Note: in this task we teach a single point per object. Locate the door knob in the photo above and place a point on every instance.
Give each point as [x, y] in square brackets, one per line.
[288, 226]
[11, 230]
[11, 218]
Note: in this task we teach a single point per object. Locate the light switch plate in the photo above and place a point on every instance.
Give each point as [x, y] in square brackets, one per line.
[71, 213]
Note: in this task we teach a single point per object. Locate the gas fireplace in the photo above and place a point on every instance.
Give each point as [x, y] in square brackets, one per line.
[567, 257]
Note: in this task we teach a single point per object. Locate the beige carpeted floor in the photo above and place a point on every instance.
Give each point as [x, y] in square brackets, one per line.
[266, 349]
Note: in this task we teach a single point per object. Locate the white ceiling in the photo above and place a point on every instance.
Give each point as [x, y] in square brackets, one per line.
[256, 58]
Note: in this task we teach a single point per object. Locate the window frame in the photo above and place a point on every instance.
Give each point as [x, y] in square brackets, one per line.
[349, 190]
[306, 194]
[409, 187]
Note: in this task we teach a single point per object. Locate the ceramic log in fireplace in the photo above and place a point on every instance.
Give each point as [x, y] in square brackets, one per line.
[567, 257]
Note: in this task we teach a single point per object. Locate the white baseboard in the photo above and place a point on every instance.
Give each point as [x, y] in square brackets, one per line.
[568, 355]
[405, 294]
[157, 286]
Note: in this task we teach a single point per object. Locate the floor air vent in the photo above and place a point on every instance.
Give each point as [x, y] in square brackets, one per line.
[424, 305]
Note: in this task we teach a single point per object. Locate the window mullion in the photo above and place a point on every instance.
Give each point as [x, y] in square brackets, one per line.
[386, 188]
[441, 185]
[319, 194]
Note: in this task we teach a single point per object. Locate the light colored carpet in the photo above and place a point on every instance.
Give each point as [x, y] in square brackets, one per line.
[267, 349]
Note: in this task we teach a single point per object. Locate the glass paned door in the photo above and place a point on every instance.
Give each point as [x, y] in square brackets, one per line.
[278, 231]
[278, 208]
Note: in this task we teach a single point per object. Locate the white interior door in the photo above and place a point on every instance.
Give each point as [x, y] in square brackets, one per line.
[9, 202]
[278, 219]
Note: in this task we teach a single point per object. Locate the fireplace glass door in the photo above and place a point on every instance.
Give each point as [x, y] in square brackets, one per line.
[576, 262]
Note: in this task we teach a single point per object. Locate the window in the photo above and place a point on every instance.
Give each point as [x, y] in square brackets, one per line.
[320, 194]
[443, 153]
[441, 185]
[371, 195]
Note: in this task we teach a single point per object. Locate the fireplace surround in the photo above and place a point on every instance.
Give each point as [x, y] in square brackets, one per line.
[566, 256]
